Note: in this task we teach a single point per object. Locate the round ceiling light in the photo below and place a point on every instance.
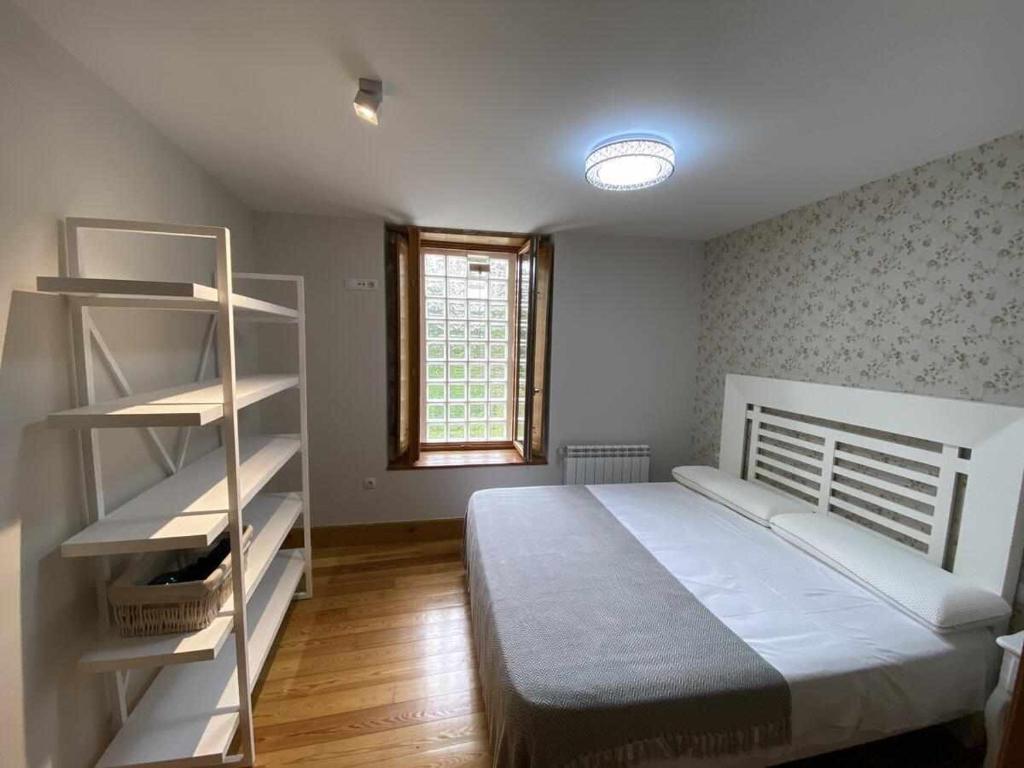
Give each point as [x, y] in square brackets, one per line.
[630, 163]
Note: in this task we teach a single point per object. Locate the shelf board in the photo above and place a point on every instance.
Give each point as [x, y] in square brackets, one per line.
[189, 714]
[115, 652]
[188, 510]
[157, 294]
[192, 405]
[272, 517]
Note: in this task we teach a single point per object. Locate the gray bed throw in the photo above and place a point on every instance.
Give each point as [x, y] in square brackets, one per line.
[591, 654]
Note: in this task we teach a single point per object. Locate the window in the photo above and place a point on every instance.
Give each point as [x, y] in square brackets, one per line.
[467, 301]
[467, 347]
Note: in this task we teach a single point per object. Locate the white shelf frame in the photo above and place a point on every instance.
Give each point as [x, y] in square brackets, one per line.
[192, 715]
[223, 304]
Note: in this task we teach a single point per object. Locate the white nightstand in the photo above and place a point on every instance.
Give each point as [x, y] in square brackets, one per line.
[999, 702]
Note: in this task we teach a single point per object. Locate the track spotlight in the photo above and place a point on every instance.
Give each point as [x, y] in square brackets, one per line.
[368, 99]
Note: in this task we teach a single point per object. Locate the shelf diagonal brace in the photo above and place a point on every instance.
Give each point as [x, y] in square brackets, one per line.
[185, 435]
[126, 391]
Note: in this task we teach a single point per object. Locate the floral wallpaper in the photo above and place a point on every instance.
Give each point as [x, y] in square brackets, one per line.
[912, 283]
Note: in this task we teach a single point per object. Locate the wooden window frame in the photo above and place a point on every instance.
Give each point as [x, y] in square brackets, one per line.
[404, 251]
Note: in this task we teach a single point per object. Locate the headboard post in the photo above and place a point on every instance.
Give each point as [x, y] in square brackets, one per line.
[891, 462]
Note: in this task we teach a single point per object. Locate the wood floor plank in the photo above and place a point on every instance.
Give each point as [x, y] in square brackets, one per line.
[360, 722]
[340, 699]
[414, 580]
[320, 683]
[303, 612]
[329, 624]
[342, 595]
[464, 755]
[290, 665]
[343, 585]
[373, 748]
[396, 571]
[312, 631]
[373, 553]
[443, 559]
[328, 643]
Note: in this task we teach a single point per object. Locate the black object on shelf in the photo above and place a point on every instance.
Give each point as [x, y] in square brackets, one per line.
[200, 569]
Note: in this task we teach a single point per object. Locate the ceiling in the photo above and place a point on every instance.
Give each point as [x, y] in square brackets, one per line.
[490, 107]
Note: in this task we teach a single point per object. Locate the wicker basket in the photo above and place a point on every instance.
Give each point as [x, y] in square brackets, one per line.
[142, 609]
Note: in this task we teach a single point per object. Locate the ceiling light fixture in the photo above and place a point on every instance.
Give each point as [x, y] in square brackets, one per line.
[632, 162]
[368, 99]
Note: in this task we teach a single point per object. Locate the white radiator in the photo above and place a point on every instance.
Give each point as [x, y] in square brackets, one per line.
[591, 464]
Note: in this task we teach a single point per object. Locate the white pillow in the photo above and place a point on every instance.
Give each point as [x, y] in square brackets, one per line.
[753, 500]
[933, 597]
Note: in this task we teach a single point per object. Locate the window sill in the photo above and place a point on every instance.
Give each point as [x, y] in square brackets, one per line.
[488, 457]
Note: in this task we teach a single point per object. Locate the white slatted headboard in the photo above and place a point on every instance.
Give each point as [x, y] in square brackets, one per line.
[942, 477]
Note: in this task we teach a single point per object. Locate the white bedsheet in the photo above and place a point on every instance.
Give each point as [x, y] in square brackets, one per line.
[857, 668]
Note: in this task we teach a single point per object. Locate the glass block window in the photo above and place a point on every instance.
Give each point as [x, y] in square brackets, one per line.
[468, 355]
[524, 316]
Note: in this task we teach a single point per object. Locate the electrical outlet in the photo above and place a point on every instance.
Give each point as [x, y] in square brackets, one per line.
[369, 483]
[362, 283]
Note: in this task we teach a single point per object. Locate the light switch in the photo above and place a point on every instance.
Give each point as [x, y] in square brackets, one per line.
[362, 283]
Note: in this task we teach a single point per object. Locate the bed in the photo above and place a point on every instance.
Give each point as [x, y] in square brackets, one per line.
[651, 624]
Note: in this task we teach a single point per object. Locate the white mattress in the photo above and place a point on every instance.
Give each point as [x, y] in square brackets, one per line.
[857, 668]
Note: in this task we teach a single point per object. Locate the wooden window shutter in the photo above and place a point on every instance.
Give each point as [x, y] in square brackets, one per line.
[535, 265]
[544, 256]
[402, 281]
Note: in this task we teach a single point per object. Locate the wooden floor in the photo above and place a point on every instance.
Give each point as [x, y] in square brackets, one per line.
[377, 670]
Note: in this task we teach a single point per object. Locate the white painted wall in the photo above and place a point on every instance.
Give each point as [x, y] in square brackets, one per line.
[69, 146]
[623, 362]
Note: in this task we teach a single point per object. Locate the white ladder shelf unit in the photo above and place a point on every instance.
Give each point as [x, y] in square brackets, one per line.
[200, 701]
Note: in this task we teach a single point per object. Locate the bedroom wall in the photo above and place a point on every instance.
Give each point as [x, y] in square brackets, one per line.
[912, 283]
[624, 350]
[69, 146]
